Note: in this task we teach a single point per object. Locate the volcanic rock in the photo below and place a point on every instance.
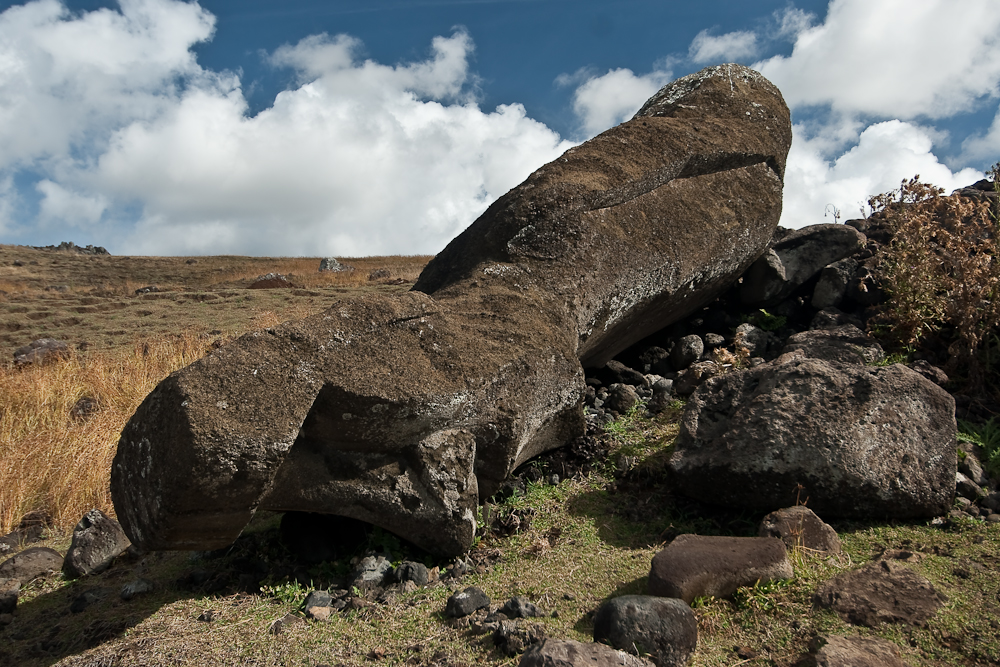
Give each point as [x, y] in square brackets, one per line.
[852, 440]
[403, 410]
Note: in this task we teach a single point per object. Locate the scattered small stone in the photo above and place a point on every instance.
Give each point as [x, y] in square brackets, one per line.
[520, 607]
[136, 588]
[97, 541]
[191, 261]
[464, 603]
[378, 274]
[84, 407]
[286, 621]
[207, 616]
[317, 605]
[371, 572]
[413, 572]
[147, 289]
[514, 637]
[664, 628]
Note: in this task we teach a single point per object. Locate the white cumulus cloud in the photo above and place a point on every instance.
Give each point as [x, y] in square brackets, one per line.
[730, 47]
[133, 138]
[603, 101]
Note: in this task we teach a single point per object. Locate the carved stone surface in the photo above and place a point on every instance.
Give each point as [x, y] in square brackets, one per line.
[403, 410]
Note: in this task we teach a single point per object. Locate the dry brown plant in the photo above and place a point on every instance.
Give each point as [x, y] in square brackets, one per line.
[941, 271]
[59, 463]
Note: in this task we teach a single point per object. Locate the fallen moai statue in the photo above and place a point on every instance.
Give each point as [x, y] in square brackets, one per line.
[404, 410]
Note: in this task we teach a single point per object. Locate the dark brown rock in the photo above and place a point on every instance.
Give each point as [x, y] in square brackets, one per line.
[629, 229]
[568, 653]
[699, 565]
[852, 440]
[402, 410]
[799, 528]
[97, 541]
[665, 629]
[882, 592]
[832, 651]
[30, 564]
[794, 259]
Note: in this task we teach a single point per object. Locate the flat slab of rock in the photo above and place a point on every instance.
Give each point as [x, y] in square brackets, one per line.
[799, 528]
[663, 628]
[882, 592]
[845, 343]
[403, 410]
[850, 440]
[702, 565]
[97, 541]
[832, 651]
[30, 564]
[465, 602]
[568, 653]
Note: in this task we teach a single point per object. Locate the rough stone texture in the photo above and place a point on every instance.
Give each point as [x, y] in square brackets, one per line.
[412, 571]
[97, 541]
[520, 607]
[700, 565]
[663, 628]
[832, 651]
[796, 258]
[621, 398]
[371, 572]
[465, 602]
[852, 440]
[799, 528]
[136, 588]
[687, 351]
[833, 282]
[882, 592]
[30, 564]
[41, 351]
[402, 410]
[331, 264]
[568, 653]
[845, 343]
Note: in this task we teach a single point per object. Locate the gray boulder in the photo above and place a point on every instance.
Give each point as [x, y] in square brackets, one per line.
[97, 541]
[852, 440]
[701, 565]
[663, 628]
[331, 264]
[796, 258]
[569, 653]
[402, 410]
[30, 564]
[800, 529]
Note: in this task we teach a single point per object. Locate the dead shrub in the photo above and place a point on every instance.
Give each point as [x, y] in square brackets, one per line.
[942, 272]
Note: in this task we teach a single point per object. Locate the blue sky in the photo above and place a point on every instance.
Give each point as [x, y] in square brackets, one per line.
[351, 128]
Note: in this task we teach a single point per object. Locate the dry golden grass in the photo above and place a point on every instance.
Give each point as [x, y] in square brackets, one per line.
[53, 461]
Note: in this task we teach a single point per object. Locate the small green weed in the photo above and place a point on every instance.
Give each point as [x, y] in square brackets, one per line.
[289, 592]
[765, 320]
